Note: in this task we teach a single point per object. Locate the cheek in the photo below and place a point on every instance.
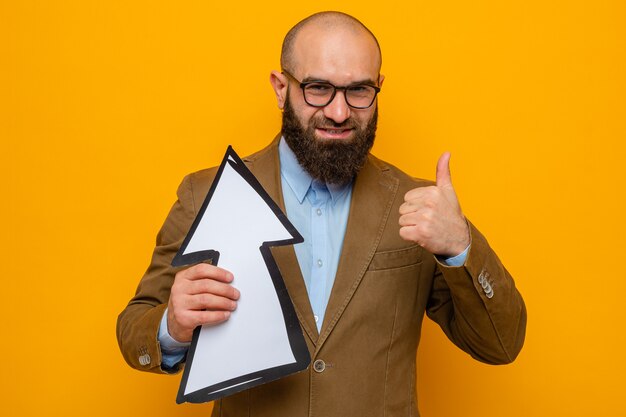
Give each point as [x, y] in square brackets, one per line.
[311, 117]
[362, 117]
[304, 113]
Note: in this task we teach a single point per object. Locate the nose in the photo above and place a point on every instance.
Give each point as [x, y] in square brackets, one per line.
[337, 110]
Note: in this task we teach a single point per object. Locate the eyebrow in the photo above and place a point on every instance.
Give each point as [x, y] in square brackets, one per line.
[367, 81]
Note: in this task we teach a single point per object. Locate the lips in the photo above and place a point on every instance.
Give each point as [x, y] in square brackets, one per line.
[334, 133]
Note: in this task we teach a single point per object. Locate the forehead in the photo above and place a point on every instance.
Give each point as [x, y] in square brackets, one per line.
[340, 55]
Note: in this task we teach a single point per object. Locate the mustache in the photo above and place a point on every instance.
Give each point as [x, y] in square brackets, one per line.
[331, 124]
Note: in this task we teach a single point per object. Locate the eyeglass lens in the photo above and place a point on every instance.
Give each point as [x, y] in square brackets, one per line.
[321, 94]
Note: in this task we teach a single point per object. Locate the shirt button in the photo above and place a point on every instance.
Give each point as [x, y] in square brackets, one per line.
[319, 366]
[319, 263]
[319, 211]
[316, 318]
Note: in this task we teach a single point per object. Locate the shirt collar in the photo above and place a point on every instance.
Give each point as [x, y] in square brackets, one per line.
[299, 179]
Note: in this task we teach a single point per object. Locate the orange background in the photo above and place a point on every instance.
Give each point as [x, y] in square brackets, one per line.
[104, 106]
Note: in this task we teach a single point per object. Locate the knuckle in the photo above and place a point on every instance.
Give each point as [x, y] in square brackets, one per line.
[213, 287]
[203, 269]
[184, 319]
[211, 317]
[425, 231]
[205, 286]
[202, 300]
[411, 194]
[177, 287]
[175, 302]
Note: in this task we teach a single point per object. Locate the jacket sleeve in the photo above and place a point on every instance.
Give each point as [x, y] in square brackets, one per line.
[478, 306]
[138, 324]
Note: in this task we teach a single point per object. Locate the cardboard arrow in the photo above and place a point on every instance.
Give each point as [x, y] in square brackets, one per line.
[262, 340]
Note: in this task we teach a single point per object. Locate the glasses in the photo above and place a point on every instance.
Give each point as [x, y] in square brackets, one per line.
[321, 93]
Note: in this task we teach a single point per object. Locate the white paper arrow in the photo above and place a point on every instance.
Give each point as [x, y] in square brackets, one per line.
[262, 340]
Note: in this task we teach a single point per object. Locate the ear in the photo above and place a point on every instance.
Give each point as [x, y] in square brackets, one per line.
[279, 84]
[381, 78]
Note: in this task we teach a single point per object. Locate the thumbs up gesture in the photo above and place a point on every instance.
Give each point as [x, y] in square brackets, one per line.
[432, 217]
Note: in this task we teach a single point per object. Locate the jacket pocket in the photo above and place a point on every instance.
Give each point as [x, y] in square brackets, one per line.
[398, 258]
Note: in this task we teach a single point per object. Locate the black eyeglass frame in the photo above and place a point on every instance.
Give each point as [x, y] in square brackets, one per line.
[303, 85]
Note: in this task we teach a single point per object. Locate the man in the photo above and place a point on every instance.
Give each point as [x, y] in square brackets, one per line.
[380, 249]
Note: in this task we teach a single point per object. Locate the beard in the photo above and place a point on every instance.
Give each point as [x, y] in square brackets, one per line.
[333, 161]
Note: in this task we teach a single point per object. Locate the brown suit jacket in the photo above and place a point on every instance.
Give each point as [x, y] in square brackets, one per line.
[363, 360]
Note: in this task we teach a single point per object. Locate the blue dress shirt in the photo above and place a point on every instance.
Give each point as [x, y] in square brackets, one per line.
[320, 213]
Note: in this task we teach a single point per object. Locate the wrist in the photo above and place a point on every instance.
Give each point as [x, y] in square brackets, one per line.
[169, 339]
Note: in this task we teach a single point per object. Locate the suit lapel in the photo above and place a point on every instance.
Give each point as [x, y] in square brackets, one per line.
[265, 165]
[372, 198]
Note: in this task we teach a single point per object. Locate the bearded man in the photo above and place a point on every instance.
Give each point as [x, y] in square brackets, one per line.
[381, 249]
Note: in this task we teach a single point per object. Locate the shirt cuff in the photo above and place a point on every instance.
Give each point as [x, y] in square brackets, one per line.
[173, 352]
[168, 343]
[457, 260]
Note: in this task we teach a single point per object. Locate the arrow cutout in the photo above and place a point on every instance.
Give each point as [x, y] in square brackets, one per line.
[262, 340]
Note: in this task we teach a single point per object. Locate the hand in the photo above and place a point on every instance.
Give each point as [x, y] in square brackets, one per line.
[200, 295]
[432, 217]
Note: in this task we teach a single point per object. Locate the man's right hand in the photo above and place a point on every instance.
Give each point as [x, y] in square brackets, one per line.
[200, 295]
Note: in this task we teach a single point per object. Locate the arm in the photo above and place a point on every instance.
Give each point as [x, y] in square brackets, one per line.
[476, 304]
[194, 296]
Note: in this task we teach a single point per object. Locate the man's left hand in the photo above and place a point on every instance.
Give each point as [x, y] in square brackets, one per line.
[432, 217]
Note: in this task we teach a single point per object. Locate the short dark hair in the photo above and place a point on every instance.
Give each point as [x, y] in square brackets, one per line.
[328, 18]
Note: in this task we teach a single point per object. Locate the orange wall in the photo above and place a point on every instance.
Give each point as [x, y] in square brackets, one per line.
[104, 106]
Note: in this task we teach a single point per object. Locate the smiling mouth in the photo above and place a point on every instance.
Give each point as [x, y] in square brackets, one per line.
[334, 133]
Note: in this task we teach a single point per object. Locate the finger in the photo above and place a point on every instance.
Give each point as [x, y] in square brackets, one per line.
[411, 234]
[212, 317]
[209, 286]
[405, 233]
[209, 302]
[203, 271]
[408, 207]
[192, 319]
[408, 220]
[444, 179]
[418, 193]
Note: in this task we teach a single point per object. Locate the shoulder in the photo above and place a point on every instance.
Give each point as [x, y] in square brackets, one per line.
[405, 181]
[198, 183]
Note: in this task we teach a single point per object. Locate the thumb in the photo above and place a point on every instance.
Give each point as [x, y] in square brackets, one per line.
[444, 180]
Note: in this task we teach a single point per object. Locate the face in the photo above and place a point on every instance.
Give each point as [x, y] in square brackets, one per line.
[333, 161]
[330, 142]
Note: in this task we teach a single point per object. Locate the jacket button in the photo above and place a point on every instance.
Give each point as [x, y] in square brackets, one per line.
[319, 366]
[482, 277]
[144, 359]
[144, 356]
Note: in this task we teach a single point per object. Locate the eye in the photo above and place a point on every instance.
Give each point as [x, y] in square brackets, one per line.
[360, 88]
[319, 88]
